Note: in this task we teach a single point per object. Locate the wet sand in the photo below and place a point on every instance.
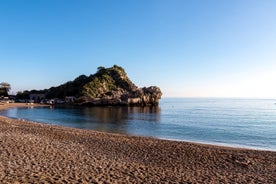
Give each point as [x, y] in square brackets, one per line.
[38, 153]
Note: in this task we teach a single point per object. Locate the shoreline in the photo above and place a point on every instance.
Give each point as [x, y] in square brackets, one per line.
[235, 146]
[223, 145]
[4, 106]
[36, 152]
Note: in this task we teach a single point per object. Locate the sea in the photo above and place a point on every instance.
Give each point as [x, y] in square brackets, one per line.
[242, 123]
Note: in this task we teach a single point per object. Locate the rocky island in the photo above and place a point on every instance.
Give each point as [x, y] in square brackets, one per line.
[108, 86]
[111, 86]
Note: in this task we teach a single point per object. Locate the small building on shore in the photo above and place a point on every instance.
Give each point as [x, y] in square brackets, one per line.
[37, 97]
[6, 99]
[70, 99]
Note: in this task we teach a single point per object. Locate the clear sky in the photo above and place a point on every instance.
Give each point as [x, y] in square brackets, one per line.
[189, 48]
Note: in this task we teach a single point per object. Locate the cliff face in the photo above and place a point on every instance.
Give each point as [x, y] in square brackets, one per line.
[111, 86]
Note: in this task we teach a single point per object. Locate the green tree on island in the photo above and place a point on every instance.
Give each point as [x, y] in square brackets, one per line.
[4, 88]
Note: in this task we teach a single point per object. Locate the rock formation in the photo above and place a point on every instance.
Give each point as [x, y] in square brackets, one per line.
[108, 86]
[111, 86]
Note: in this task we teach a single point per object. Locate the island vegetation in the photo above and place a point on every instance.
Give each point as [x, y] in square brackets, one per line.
[108, 86]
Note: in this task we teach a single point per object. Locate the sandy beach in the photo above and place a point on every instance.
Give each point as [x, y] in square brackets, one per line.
[38, 153]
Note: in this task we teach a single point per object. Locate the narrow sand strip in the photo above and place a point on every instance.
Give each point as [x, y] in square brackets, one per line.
[39, 153]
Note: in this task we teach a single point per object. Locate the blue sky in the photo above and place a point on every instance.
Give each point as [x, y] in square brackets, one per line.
[189, 48]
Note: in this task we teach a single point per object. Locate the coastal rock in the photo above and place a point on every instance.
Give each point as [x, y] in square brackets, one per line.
[138, 97]
[108, 86]
[111, 86]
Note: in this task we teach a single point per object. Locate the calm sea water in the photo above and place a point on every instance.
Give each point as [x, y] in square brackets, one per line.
[235, 122]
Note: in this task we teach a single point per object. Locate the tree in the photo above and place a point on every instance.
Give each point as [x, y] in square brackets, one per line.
[23, 95]
[4, 88]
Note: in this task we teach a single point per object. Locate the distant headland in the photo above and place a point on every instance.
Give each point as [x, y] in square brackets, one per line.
[108, 86]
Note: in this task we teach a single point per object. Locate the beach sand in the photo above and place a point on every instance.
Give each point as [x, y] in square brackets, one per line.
[38, 153]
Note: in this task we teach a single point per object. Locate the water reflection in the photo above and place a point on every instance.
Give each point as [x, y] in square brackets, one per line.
[107, 114]
[124, 120]
[118, 115]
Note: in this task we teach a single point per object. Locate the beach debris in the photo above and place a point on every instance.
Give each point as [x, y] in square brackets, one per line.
[241, 160]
